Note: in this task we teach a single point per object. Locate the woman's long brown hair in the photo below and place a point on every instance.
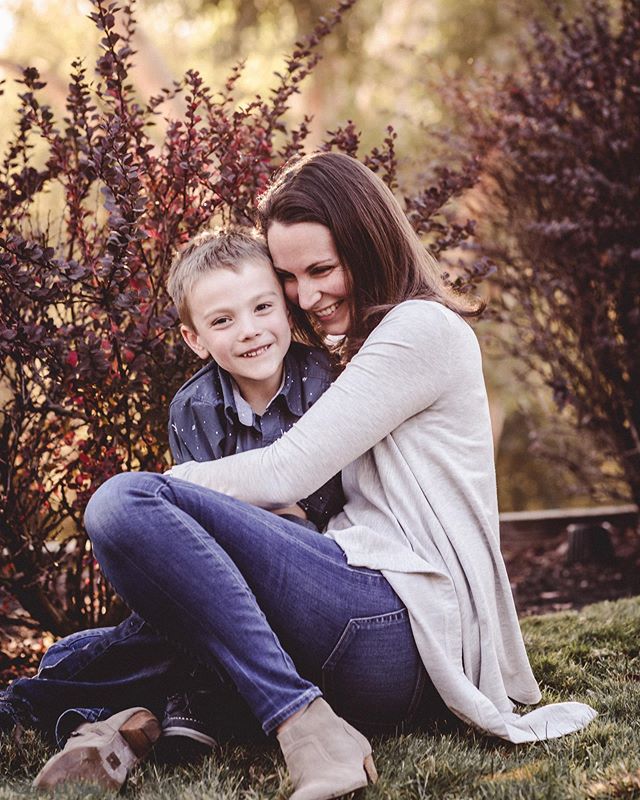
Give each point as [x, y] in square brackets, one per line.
[385, 261]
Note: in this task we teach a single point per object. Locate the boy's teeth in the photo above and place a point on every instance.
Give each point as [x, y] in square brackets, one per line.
[253, 353]
[327, 311]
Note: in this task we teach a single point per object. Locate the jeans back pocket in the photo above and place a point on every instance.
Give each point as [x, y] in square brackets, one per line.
[374, 676]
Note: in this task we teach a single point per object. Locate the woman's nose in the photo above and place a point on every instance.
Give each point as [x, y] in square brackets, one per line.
[308, 295]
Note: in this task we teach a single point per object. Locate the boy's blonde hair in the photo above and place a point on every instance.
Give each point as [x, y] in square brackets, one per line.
[223, 248]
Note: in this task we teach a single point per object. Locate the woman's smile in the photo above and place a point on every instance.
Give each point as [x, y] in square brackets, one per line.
[329, 311]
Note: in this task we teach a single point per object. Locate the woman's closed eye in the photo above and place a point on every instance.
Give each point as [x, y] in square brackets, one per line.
[323, 270]
[314, 271]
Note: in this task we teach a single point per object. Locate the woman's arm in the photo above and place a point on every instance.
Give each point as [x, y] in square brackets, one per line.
[401, 369]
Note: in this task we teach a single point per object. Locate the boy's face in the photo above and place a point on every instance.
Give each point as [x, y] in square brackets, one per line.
[240, 319]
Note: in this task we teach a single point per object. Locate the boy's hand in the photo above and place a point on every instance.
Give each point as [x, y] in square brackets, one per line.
[295, 511]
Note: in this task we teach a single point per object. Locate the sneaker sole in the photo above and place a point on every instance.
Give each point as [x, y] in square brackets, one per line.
[189, 733]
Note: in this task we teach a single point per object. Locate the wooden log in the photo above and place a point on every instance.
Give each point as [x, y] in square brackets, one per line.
[532, 526]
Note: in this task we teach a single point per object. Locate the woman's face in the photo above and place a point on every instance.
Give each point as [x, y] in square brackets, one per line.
[305, 258]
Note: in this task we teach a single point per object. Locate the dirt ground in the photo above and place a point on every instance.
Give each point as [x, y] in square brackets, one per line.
[541, 580]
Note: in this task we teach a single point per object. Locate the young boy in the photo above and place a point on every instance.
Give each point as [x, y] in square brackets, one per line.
[259, 382]
[232, 310]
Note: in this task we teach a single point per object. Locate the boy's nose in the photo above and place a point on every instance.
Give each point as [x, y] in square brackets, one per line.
[249, 331]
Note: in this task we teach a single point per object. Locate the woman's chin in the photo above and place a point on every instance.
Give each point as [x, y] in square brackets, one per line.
[334, 330]
[335, 326]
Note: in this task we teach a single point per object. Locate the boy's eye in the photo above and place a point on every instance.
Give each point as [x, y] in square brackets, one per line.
[218, 321]
[263, 306]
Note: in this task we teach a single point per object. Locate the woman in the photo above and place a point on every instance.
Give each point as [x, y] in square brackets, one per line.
[407, 589]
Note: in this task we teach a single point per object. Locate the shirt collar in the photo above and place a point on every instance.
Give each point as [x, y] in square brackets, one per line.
[290, 389]
[226, 384]
[243, 409]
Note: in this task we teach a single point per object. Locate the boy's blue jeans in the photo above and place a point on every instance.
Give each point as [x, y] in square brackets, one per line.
[91, 674]
[269, 608]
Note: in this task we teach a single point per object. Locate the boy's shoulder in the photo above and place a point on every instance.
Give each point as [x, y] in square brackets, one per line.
[205, 386]
[312, 361]
[308, 373]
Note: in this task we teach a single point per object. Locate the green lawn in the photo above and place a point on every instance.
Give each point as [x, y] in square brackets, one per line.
[592, 655]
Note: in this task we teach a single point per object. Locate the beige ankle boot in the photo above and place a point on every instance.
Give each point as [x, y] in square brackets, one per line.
[325, 755]
[102, 752]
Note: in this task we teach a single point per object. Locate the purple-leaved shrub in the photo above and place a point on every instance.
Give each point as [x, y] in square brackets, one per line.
[560, 147]
[89, 355]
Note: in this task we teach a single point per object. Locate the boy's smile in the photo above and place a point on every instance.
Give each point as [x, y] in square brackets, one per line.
[258, 351]
[240, 319]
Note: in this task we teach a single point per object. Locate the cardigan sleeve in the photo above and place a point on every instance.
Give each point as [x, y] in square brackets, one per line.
[401, 369]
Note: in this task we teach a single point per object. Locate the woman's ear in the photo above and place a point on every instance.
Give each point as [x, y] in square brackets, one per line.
[193, 341]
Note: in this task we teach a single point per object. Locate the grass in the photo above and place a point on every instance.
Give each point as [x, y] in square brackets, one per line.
[592, 655]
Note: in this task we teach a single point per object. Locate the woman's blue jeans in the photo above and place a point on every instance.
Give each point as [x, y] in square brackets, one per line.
[260, 599]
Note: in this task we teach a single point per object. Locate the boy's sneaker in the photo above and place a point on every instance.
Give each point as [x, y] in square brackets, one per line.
[186, 715]
[14, 718]
[8, 717]
[187, 735]
[103, 752]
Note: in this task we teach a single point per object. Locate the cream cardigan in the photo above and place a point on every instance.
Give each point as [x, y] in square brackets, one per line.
[408, 424]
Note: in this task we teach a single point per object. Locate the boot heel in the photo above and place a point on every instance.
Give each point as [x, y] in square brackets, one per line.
[370, 769]
[140, 732]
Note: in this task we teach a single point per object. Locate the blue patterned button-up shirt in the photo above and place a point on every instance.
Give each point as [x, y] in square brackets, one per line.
[204, 423]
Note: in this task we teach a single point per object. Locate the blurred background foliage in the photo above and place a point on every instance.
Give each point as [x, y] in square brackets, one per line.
[380, 67]
[376, 67]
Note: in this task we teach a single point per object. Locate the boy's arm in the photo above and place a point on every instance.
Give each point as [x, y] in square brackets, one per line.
[325, 502]
[179, 450]
[181, 453]
[292, 511]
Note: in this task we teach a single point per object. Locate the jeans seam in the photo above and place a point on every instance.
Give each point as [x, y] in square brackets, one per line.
[90, 654]
[174, 505]
[284, 713]
[416, 698]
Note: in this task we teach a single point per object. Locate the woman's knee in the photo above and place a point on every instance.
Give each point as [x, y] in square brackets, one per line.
[115, 501]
